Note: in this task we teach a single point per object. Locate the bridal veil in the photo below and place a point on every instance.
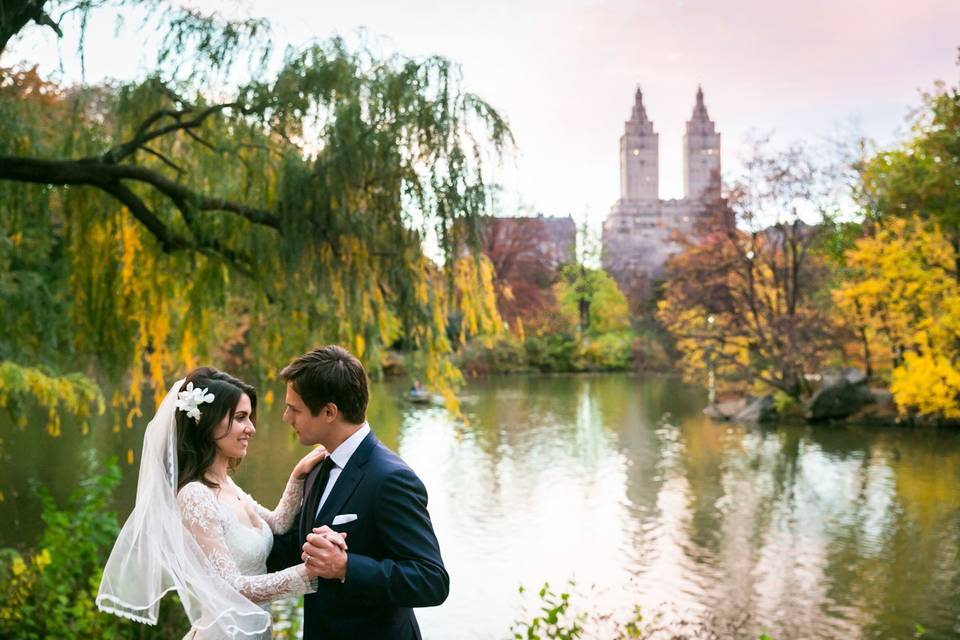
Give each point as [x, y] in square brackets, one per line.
[155, 554]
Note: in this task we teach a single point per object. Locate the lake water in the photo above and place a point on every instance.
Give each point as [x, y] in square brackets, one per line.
[619, 483]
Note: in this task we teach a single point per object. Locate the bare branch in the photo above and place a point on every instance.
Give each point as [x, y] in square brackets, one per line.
[168, 241]
[167, 161]
[126, 149]
[95, 173]
[45, 20]
[200, 140]
[157, 115]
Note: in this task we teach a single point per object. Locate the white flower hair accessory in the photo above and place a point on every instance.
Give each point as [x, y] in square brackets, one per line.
[190, 400]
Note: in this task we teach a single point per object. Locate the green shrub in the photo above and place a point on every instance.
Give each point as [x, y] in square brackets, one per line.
[611, 351]
[552, 352]
[785, 403]
[485, 355]
[556, 618]
[49, 592]
[548, 353]
[553, 618]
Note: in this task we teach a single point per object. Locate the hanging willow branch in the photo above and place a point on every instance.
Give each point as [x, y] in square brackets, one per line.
[318, 186]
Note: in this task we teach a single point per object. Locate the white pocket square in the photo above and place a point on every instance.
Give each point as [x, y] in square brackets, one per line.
[344, 518]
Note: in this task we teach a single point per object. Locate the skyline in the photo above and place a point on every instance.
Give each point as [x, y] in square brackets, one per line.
[564, 74]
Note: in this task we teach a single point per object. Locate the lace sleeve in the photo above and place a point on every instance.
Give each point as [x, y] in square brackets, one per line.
[281, 519]
[202, 518]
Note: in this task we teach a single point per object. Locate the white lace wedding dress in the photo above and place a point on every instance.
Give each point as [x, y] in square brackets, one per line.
[239, 552]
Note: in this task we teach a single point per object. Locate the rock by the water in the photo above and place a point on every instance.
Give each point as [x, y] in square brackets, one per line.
[882, 411]
[882, 397]
[839, 397]
[877, 414]
[725, 410]
[855, 376]
[763, 409]
[850, 374]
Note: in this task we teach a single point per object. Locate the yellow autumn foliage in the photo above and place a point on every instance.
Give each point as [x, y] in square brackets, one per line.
[72, 394]
[905, 295]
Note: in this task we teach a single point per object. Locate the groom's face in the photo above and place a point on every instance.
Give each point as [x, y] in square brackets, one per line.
[310, 429]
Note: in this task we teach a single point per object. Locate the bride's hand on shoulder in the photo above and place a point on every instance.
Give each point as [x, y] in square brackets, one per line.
[308, 462]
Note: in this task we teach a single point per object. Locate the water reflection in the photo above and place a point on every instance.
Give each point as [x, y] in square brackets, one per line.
[619, 482]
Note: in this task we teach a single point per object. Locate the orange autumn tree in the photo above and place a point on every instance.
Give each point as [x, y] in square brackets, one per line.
[523, 273]
[747, 302]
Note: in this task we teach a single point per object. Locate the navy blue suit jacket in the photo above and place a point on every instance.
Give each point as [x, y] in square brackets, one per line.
[393, 557]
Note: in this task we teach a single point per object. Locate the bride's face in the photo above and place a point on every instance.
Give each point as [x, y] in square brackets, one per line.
[233, 438]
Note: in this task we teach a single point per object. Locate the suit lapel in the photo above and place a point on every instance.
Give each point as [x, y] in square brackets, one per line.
[348, 480]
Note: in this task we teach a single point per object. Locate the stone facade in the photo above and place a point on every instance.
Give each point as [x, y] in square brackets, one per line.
[560, 246]
[637, 234]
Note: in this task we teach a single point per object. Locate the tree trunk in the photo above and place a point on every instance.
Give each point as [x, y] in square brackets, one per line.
[16, 14]
[584, 308]
[862, 330]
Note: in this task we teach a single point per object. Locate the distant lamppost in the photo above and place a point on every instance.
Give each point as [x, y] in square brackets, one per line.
[711, 376]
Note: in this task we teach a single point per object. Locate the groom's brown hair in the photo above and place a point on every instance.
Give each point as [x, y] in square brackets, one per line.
[330, 374]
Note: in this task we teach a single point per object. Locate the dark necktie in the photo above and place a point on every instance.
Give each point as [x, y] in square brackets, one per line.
[313, 500]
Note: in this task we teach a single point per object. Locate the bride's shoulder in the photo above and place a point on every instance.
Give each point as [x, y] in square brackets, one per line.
[197, 503]
[196, 493]
[195, 489]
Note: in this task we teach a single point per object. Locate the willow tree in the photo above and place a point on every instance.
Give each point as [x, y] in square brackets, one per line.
[151, 225]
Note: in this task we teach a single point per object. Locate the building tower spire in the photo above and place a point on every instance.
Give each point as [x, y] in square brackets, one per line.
[700, 109]
[701, 154]
[639, 113]
[639, 155]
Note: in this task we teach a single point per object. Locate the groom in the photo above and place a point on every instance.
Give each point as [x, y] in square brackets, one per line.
[365, 490]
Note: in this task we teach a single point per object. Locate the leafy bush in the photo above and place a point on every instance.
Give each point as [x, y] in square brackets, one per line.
[548, 353]
[785, 404]
[485, 355]
[49, 592]
[609, 351]
[556, 618]
[552, 352]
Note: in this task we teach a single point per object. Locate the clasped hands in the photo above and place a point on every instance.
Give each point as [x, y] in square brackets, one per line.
[325, 554]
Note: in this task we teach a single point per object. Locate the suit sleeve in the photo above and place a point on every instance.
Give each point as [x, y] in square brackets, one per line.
[412, 573]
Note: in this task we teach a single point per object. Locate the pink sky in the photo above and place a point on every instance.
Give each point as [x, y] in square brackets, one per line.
[564, 72]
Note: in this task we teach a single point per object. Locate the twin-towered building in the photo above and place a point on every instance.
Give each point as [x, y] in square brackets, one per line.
[637, 232]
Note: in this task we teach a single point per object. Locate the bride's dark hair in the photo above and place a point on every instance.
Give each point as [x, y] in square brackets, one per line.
[196, 445]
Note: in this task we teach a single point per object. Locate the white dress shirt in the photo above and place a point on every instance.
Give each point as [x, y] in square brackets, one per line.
[340, 456]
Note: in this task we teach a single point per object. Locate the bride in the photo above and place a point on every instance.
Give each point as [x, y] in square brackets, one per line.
[193, 530]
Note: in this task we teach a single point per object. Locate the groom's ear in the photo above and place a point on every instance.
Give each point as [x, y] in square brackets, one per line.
[330, 411]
